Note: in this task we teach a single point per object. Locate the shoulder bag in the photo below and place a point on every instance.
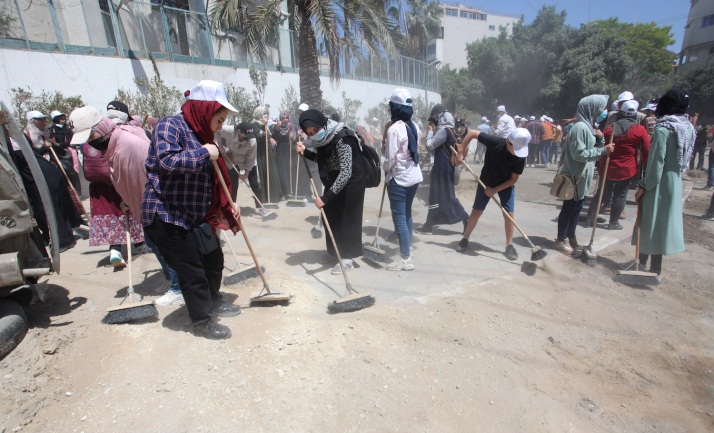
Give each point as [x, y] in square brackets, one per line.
[563, 186]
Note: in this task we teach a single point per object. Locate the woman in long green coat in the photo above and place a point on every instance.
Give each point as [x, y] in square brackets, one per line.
[660, 191]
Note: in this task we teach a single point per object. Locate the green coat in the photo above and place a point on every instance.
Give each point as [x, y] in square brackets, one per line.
[661, 225]
[580, 152]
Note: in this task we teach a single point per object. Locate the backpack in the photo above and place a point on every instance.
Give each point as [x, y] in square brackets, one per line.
[371, 161]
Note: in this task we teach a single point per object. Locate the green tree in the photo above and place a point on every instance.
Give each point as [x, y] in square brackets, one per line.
[423, 22]
[290, 100]
[699, 83]
[24, 100]
[349, 109]
[244, 101]
[152, 97]
[342, 28]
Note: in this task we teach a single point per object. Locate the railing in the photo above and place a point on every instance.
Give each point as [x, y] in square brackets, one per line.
[159, 31]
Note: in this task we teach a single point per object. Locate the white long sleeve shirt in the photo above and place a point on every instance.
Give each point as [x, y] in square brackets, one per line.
[398, 164]
[505, 126]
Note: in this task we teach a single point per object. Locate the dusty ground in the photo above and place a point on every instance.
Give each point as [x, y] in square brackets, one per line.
[466, 342]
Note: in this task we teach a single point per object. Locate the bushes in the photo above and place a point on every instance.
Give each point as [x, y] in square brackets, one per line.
[153, 97]
[24, 100]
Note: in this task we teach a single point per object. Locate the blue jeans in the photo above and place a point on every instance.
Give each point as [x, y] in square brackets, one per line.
[568, 218]
[710, 180]
[545, 151]
[400, 202]
[169, 273]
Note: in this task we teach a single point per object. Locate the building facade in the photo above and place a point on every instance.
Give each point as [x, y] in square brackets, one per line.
[462, 25]
[698, 41]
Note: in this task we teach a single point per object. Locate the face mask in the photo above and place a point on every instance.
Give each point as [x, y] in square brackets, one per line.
[601, 117]
[101, 144]
[320, 135]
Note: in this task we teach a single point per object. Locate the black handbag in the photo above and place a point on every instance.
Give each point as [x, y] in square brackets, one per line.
[205, 239]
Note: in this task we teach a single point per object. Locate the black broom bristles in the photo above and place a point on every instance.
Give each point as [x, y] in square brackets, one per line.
[130, 314]
[352, 305]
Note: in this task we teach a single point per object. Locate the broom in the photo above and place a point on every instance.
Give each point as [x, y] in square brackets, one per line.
[269, 215]
[267, 172]
[373, 252]
[637, 277]
[537, 253]
[73, 192]
[137, 309]
[354, 301]
[589, 255]
[240, 274]
[296, 200]
[269, 295]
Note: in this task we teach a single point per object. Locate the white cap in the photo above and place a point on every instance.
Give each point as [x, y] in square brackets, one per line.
[651, 106]
[82, 120]
[532, 118]
[516, 117]
[401, 96]
[34, 114]
[374, 119]
[56, 113]
[625, 96]
[207, 90]
[519, 138]
[303, 107]
[484, 119]
[630, 106]
[501, 108]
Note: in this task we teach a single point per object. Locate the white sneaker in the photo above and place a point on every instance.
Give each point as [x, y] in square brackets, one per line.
[170, 298]
[401, 264]
[346, 263]
[115, 259]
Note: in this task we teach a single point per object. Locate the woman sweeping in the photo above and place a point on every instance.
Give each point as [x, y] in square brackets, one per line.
[284, 134]
[583, 146]
[342, 175]
[660, 191]
[267, 167]
[444, 207]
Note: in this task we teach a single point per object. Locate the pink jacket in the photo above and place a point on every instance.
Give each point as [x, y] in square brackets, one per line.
[126, 154]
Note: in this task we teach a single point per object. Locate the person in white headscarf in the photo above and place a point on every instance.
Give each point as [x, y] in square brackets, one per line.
[267, 164]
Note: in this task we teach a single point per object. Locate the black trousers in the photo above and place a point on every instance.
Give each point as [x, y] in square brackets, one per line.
[199, 275]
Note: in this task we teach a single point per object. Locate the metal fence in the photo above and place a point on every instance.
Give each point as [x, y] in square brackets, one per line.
[167, 30]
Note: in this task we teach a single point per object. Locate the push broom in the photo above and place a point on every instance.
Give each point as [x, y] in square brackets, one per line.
[137, 308]
[353, 301]
[269, 295]
[242, 273]
[269, 215]
[637, 276]
[269, 204]
[537, 253]
[373, 252]
[296, 200]
[589, 255]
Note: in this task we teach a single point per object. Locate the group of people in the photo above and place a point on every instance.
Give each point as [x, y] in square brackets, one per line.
[166, 186]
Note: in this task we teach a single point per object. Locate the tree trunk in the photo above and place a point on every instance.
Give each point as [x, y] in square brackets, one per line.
[310, 91]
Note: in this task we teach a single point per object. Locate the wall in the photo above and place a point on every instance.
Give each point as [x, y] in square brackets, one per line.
[96, 78]
[698, 41]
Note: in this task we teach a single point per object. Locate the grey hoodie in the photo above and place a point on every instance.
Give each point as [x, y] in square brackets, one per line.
[436, 139]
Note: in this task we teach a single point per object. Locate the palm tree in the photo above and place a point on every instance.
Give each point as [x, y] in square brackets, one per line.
[423, 23]
[342, 27]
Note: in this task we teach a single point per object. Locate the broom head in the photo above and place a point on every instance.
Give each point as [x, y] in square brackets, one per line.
[130, 312]
[538, 253]
[355, 302]
[297, 201]
[241, 275]
[269, 297]
[638, 278]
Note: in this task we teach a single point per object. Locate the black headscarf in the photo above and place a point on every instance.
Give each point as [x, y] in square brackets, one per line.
[119, 106]
[404, 113]
[310, 118]
[674, 102]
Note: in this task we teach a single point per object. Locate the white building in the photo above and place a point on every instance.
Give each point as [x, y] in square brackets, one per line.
[698, 42]
[462, 25]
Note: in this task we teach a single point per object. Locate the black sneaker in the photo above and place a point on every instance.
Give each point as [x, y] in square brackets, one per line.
[463, 244]
[511, 253]
[614, 226]
[211, 330]
[425, 230]
[708, 216]
[224, 309]
[589, 222]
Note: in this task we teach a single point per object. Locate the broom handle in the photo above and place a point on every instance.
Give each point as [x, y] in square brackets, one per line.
[74, 191]
[637, 244]
[505, 213]
[225, 158]
[602, 188]
[130, 290]
[267, 162]
[290, 171]
[297, 174]
[240, 225]
[381, 206]
[329, 230]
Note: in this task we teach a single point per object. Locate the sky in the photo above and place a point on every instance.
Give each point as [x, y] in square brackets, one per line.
[663, 12]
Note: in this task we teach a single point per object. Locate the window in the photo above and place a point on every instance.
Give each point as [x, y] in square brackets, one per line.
[452, 12]
[492, 27]
[431, 51]
[708, 21]
[464, 14]
[483, 17]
